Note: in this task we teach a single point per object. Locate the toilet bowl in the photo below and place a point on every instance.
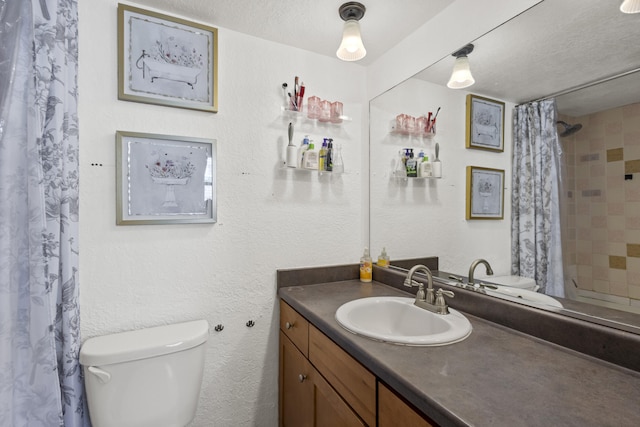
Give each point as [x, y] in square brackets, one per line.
[515, 282]
[145, 378]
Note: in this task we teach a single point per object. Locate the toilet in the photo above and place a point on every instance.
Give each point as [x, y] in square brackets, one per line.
[514, 282]
[145, 378]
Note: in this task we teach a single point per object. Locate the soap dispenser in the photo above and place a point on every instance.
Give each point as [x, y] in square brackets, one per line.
[366, 267]
[383, 258]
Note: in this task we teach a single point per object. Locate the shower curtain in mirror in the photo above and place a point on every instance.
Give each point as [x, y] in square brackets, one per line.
[536, 246]
[40, 376]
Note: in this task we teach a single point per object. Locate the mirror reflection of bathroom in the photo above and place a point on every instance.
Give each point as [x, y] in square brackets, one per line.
[598, 127]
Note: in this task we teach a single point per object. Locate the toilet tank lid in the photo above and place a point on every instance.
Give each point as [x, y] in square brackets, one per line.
[143, 343]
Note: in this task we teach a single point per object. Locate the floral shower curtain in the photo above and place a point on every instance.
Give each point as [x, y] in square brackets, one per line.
[536, 246]
[40, 376]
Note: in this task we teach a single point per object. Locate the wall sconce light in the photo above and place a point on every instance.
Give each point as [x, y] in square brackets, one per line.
[461, 76]
[351, 48]
[630, 6]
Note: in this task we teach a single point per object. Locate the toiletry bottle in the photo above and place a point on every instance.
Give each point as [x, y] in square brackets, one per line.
[322, 156]
[383, 258]
[366, 268]
[303, 147]
[401, 169]
[329, 161]
[412, 166]
[338, 163]
[425, 168]
[436, 167]
[292, 151]
[310, 158]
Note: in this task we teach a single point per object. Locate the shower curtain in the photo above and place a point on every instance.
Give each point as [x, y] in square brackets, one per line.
[536, 245]
[40, 376]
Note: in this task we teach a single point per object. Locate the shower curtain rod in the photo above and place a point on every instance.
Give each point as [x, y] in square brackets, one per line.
[585, 85]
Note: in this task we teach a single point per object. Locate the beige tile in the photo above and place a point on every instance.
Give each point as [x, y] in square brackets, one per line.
[615, 209]
[634, 292]
[616, 222]
[583, 258]
[633, 265]
[631, 191]
[616, 193]
[599, 235]
[597, 144]
[600, 273]
[585, 282]
[601, 286]
[599, 209]
[599, 221]
[618, 249]
[620, 289]
[631, 134]
[632, 236]
[585, 270]
[583, 233]
[631, 153]
[633, 223]
[631, 112]
[597, 170]
[633, 278]
[617, 236]
[584, 245]
[615, 169]
[600, 260]
[600, 247]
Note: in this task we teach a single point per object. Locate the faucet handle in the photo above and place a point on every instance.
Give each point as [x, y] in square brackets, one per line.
[441, 304]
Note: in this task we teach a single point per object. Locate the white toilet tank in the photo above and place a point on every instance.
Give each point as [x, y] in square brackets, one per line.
[145, 378]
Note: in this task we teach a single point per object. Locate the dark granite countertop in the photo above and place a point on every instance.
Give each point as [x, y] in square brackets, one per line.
[495, 377]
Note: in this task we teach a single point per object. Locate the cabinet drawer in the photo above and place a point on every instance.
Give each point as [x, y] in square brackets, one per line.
[295, 327]
[350, 379]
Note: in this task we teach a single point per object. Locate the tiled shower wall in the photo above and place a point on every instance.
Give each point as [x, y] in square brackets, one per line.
[603, 202]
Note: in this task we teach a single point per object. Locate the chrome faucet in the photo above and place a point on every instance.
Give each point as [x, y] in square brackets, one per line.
[428, 300]
[474, 264]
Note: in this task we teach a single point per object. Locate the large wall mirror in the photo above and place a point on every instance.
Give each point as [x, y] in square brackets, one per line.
[585, 54]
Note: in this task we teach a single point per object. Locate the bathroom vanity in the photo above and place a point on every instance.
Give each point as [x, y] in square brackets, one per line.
[497, 376]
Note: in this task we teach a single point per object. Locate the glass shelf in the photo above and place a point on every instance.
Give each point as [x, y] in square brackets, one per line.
[304, 170]
[302, 115]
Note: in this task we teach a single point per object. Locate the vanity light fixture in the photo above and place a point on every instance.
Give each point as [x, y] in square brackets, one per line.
[461, 76]
[630, 6]
[351, 48]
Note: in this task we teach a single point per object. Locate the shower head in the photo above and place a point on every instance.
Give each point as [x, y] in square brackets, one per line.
[568, 129]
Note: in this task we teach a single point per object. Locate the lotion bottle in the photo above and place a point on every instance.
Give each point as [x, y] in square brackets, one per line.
[310, 158]
[366, 267]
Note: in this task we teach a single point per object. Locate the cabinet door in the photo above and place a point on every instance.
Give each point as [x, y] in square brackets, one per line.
[296, 386]
[393, 411]
[330, 409]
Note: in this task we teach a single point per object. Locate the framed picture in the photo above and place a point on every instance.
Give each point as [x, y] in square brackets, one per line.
[485, 123]
[485, 193]
[167, 61]
[162, 179]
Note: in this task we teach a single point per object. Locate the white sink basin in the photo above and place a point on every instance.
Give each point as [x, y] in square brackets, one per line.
[396, 320]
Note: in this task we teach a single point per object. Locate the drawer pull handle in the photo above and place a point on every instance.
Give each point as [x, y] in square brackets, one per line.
[302, 377]
[288, 325]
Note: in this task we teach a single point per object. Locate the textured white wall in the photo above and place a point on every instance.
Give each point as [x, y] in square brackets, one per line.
[140, 276]
[427, 217]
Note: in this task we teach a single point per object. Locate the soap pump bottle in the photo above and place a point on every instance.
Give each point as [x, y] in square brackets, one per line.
[366, 267]
[383, 258]
[310, 158]
[322, 155]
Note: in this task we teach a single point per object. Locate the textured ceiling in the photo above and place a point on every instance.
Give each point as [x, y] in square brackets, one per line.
[312, 25]
[554, 46]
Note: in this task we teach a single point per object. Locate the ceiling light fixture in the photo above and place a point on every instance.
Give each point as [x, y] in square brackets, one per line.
[461, 76]
[630, 6]
[351, 48]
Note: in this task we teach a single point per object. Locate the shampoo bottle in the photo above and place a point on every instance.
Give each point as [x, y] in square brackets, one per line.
[366, 268]
[424, 168]
[412, 166]
[383, 258]
[322, 156]
[329, 167]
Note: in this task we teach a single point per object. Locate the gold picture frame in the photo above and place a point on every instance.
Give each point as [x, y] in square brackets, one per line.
[485, 193]
[166, 60]
[484, 123]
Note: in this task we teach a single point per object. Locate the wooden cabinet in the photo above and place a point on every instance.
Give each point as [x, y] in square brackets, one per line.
[306, 398]
[393, 411]
[322, 385]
